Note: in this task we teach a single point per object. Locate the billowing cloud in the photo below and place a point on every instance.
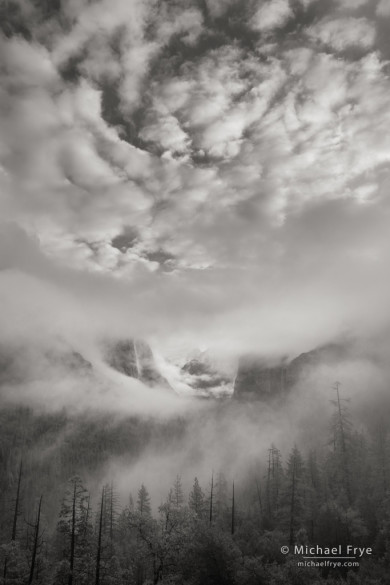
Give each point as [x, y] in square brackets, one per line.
[210, 174]
[271, 15]
[343, 33]
[352, 4]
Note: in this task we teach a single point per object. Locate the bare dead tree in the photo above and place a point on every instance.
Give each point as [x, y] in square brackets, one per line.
[259, 496]
[35, 543]
[87, 512]
[17, 503]
[233, 526]
[99, 546]
[211, 500]
[72, 536]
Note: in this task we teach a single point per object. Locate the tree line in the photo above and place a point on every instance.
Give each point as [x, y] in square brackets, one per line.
[224, 532]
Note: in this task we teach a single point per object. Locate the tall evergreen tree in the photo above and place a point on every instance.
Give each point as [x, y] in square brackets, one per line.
[196, 501]
[177, 495]
[341, 434]
[273, 483]
[143, 502]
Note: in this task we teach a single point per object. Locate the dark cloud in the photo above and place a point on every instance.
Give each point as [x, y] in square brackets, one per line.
[126, 239]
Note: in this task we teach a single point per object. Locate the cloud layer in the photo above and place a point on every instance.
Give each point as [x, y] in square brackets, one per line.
[199, 173]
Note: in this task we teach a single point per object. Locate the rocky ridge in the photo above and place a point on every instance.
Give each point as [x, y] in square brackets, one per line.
[257, 379]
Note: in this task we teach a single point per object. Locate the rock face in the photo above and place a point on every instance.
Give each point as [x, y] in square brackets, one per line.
[135, 359]
[122, 357]
[203, 375]
[206, 376]
[21, 363]
[25, 363]
[71, 360]
[256, 380]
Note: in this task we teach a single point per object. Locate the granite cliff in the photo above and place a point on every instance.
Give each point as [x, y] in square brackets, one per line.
[134, 358]
[258, 379]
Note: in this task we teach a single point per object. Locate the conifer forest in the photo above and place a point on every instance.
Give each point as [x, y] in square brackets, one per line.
[65, 523]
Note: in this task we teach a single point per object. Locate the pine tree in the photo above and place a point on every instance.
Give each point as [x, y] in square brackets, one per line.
[72, 529]
[141, 521]
[273, 483]
[341, 434]
[85, 546]
[143, 502]
[292, 497]
[177, 493]
[111, 515]
[196, 501]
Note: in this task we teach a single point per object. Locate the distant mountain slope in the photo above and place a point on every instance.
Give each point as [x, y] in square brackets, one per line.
[258, 380]
[255, 379]
[24, 362]
[28, 362]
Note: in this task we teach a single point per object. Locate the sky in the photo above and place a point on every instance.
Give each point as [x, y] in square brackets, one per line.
[211, 173]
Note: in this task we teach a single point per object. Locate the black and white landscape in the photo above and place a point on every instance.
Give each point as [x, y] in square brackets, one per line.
[194, 291]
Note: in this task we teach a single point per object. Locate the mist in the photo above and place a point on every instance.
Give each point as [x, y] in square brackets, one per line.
[186, 435]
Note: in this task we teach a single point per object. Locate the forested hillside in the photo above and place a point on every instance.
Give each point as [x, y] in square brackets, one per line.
[64, 521]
